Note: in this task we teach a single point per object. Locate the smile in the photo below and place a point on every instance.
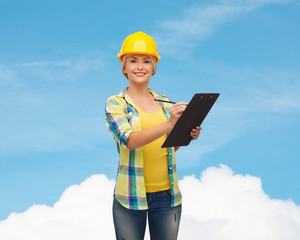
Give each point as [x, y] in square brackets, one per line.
[140, 74]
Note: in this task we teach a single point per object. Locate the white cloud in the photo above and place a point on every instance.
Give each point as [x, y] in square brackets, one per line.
[263, 89]
[68, 69]
[251, 4]
[199, 22]
[82, 212]
[24, 74]
[220, 205]
[8, 77]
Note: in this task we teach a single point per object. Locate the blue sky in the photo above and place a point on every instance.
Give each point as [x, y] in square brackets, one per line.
[58, 64]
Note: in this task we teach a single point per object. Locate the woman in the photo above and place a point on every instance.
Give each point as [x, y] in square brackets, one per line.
[147, 183]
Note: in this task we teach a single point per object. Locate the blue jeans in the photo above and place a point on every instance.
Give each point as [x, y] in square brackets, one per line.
[163, 219]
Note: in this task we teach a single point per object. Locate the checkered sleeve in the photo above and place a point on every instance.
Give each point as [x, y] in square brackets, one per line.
[116, 120]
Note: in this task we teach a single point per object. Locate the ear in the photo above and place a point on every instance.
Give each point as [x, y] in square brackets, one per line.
[124, 70]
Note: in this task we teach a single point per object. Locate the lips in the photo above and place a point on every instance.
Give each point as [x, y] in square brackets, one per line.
[140, 74]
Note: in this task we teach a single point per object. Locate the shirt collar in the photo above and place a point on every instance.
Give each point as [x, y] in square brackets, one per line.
[125, 95]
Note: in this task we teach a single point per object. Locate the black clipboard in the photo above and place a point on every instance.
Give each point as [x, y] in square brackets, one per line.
[193, 116]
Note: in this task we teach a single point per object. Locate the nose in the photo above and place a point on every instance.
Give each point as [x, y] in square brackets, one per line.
[140, 65]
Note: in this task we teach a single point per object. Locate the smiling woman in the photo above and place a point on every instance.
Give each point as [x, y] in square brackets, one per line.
[147, 182]
[139, 66]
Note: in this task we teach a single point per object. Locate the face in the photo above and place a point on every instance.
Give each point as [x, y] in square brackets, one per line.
[138, 68]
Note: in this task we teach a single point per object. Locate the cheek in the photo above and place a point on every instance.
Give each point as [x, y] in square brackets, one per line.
[126, 69]
[150, 69]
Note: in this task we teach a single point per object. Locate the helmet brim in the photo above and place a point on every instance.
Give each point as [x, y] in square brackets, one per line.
[121, 55]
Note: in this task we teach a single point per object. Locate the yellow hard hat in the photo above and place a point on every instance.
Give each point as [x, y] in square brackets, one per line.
[139, 43]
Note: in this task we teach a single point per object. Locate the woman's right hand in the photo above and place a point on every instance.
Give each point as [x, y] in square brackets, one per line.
[176, 112]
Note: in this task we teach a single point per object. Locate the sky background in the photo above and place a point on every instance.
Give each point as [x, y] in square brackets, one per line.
[58, 65]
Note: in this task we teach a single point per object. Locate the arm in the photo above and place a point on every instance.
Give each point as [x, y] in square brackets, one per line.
[140, 138]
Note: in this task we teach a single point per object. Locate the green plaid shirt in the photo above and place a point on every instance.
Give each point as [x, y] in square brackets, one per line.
[122, 118]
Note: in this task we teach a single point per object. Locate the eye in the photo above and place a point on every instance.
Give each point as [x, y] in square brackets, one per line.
[132, 60]
[147, 61]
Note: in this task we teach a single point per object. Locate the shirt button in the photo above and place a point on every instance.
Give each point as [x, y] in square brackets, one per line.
[170, 154]
[170, 168]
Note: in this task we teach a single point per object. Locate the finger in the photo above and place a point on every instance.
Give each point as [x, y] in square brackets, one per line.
[197, 129]
[180, 104]
[194, 137]
[178, 110]
[195, 133]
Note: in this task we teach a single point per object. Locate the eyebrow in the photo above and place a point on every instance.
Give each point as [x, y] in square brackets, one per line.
[143, 58]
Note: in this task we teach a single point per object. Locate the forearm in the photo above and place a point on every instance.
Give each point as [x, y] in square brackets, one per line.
[140, 138]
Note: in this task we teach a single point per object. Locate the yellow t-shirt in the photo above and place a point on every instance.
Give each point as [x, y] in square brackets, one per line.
[155, 158]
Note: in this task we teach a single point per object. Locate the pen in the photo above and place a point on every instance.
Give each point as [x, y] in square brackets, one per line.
[164, 101]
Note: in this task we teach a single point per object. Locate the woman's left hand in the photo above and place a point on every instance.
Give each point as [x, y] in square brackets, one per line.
[195, 132]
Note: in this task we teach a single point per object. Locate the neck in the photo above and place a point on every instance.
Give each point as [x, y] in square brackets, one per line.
[138, 90]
